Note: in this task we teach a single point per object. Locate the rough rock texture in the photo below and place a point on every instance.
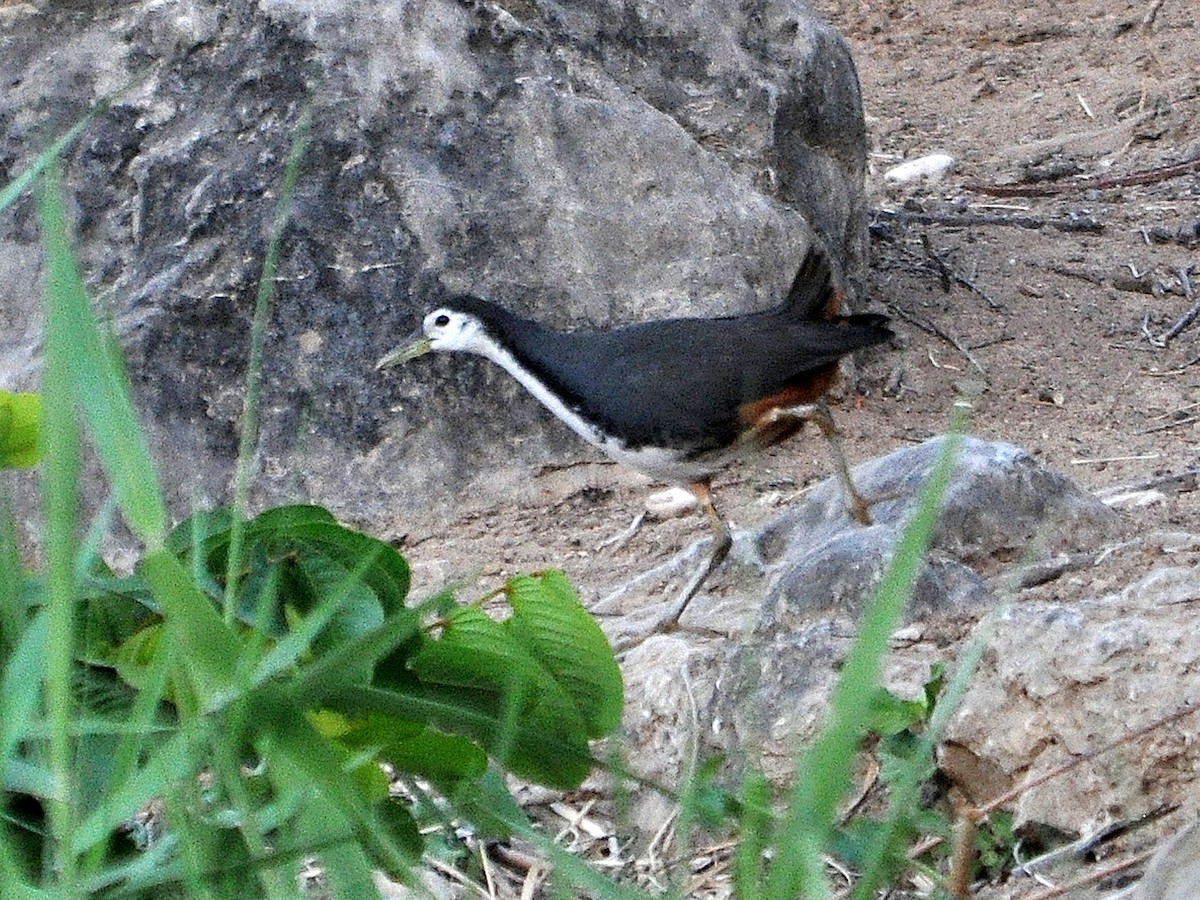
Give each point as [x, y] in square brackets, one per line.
[1106, 667]
[1051, 676]
[595, 161]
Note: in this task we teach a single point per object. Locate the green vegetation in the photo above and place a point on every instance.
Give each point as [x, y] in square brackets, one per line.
[249, 677]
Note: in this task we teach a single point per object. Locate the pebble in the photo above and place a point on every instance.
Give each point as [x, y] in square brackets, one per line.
[670, 503]
[931, 167]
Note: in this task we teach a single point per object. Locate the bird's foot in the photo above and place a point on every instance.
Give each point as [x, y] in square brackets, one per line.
[610, 604]
[668, 620]
[859, 507]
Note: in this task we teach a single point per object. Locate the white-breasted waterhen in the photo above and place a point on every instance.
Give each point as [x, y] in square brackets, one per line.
[676, 399]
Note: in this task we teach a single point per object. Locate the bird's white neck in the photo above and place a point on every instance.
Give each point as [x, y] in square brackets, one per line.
[485, 346]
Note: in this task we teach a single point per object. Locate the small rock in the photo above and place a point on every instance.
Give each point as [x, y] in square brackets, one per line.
[670, 503]
[1135, 499]
[930, 168]
[1174, 870]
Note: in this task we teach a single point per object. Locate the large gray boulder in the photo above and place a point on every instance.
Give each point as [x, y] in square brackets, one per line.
[586, 162]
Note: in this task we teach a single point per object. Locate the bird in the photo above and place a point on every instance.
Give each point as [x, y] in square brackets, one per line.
[677, 399]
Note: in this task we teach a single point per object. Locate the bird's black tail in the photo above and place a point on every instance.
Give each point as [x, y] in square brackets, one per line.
[866, 329]
[813, 294]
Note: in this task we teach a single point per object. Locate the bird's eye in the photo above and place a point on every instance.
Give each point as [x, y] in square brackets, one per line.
[442, 321]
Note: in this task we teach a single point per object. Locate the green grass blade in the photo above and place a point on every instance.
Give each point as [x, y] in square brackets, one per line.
[15, 188]
[290, 743]
[332, 671]
[60, 491]
[209, 648]
[177, 759]
[906, 790]
[12, 607]
[20, 688]
[262, 306]
[755, 830]
[140, 727]
[97, 382]
[20, 691]
[825, 769]
[299, 639]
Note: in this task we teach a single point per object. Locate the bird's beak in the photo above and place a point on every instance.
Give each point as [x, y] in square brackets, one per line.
[416, 345]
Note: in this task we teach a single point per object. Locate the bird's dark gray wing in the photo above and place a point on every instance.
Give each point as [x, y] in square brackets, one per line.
[681, 382]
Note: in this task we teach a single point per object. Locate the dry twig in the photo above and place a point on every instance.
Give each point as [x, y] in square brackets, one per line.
[938, 331]
[1098, 183]
[1092, 878]
[979, 220]
[1188, 317]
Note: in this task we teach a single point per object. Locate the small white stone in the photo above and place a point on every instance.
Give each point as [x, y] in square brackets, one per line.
[670, 503]
[1135, 499]
[931, 167]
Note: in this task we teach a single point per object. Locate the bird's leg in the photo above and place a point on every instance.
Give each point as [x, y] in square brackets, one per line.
[722, 542]
[819, 414]
[859, 509]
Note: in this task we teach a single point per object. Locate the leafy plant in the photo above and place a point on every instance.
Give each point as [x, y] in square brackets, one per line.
[222, 713]
[20, 425]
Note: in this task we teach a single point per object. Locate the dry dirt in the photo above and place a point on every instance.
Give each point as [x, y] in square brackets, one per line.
[1056, 330]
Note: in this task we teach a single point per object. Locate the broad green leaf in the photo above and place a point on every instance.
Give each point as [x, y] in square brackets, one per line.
[21, 777]
[363, 731]
[198, 528]
[474, 650]
[489, 806]
[437, 756]
[477, 653]
[20, 429]
[886, 714]
[554, 757]
[551, 623]
[340, 666]
[358, 611]
[288, 740]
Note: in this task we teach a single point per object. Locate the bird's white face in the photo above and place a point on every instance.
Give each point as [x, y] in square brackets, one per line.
[450, 330]
[444, 329]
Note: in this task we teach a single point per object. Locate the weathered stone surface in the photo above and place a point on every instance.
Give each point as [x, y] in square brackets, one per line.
[594, 162]
[1061, 680]
[799, 611]
[1174, 872]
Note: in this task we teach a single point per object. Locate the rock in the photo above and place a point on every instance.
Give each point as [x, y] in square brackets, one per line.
[1064, 679]
[670, 503]
[585, 162]
[927, 168]
[770, 689]
[1175, 869]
